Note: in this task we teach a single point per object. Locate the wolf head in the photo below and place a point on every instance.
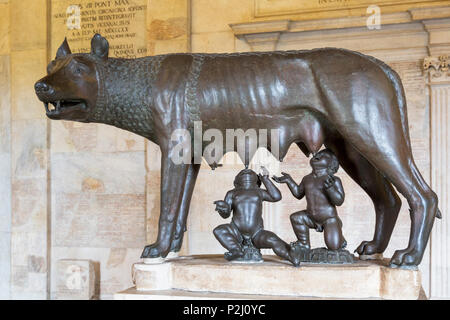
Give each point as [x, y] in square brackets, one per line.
[71, 88]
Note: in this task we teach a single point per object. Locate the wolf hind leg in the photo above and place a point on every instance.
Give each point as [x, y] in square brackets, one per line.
[389, 152]
[385, 200]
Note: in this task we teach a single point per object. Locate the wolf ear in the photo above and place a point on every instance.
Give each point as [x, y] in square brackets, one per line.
[63, 50]
[99, 46]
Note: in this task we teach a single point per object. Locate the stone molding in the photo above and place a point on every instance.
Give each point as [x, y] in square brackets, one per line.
[266, 34]
[325, 7]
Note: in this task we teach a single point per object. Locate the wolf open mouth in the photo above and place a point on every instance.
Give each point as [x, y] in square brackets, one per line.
[59, 106]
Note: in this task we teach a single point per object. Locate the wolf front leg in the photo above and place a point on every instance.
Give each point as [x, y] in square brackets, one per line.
[184, 207]
[173, 182]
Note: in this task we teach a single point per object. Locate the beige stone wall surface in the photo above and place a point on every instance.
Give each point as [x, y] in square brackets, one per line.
[5, 153]
[29, 226]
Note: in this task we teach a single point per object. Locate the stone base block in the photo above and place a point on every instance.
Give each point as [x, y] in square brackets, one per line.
[174, 294]
[273, 278]
[75, 280]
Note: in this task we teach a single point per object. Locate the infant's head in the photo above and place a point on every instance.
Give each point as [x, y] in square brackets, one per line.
[325, 159]
[247, 177]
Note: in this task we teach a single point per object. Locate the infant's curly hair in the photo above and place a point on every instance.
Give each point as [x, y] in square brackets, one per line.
[334, 165]
[242, 174]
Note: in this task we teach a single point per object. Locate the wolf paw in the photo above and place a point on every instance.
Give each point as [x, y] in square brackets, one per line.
[367, 248]
[407, 258]
[155, 250]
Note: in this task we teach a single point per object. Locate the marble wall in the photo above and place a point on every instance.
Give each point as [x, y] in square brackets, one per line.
[5, 154]
[29, 168]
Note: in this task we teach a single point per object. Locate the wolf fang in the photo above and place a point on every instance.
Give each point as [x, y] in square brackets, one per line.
[200, 310]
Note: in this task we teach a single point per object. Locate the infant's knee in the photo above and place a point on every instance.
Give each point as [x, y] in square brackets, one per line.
[333, 234]
[335, 244]
[265, 239]
[298, 218]
[220, 230]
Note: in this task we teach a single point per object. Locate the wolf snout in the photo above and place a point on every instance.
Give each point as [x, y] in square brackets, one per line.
[43, 89]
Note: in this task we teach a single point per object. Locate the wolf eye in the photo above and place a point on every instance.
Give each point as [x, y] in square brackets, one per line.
[77, 69]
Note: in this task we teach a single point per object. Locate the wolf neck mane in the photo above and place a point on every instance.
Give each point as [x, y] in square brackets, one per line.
[124, 98]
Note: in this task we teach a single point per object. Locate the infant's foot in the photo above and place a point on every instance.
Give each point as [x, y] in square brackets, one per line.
[299, 252]
[233, 255]
[295, 256]
[300, 246]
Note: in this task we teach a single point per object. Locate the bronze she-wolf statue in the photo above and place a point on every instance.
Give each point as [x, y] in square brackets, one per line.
[350, 103]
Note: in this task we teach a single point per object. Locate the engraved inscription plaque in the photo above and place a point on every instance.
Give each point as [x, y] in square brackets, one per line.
[123, 22]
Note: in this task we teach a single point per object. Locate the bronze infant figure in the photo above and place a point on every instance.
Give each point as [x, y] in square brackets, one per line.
[323, 192]
[246, 228]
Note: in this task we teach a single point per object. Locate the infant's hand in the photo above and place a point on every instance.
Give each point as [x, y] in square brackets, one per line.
[329, 182]
[221, 206]
[283, 179]
[265, 172]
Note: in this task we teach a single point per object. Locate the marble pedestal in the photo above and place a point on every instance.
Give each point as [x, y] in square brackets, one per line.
[212, 277]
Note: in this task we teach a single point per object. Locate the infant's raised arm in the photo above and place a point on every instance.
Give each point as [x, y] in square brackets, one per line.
[272, 194]
[297, 191]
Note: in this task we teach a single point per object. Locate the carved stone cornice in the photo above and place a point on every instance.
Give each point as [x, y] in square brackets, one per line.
[427, 24]
[240, 29]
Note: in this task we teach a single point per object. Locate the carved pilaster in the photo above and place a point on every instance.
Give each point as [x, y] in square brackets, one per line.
[263, 42]
[261, 36]
[437, 68]
[439, 82]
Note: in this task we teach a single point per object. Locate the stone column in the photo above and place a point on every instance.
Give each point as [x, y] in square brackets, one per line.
[439, 83]
[437, 67]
